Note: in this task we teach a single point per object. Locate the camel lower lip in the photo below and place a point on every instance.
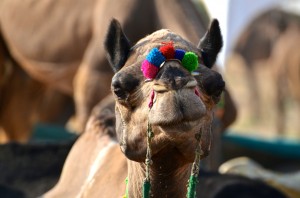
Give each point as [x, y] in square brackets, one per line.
[179, 126]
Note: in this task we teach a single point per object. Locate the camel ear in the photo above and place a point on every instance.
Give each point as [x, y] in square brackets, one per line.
[211, 44]
[117, 45]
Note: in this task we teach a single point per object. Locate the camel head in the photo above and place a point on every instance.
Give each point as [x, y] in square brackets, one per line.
[176, 102]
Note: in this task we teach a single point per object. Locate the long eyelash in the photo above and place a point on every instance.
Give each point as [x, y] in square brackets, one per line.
[138, 95]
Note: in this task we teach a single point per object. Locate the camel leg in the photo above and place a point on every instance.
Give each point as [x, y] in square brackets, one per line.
[18, 106]
[93, 79]
[91, 84]
[16, 103]
[254, 93]
[24, 102]
[279, 108]
[298, 113]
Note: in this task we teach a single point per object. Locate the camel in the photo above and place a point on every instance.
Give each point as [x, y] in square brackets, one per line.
[255, 44]
[287, 182]
[59, 44]
[286, 72]
[158, 124]
[25, 101]
[270, 39]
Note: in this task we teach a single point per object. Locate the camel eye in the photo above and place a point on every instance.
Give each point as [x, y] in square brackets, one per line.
[118, 89]
[214, 86]
[123, 85]
[119, 93]
[211, 82]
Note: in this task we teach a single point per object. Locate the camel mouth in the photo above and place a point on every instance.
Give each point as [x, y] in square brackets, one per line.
[162, 88]
[179, 127]
[177, 110]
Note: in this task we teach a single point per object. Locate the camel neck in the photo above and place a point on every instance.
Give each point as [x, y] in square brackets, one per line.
[168, 177]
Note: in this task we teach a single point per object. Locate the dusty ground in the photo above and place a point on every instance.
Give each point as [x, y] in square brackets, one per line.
[263, 125]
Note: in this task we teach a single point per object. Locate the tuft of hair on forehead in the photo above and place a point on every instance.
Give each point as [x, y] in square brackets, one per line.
[156, 39]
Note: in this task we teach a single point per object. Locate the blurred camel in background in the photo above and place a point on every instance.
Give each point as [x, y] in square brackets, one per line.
[25, 101]
[285, 59]
[59, 44]
[271, 40]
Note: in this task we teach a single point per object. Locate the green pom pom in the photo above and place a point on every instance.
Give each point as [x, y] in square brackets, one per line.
[190, 61]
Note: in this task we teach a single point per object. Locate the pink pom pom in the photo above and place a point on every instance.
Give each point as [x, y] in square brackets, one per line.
[149, 70]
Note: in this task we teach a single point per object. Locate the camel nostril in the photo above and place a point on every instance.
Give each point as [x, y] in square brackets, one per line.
[120, 93]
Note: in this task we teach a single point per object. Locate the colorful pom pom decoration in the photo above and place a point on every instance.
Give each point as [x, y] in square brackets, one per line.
[190, 61]
[168, 50]
[149, 70]
[156, 57]
[179, 54]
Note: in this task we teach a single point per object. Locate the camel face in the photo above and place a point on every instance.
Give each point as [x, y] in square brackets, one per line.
[177, 103]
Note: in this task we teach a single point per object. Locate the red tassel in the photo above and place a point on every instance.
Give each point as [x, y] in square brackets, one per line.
[197, 92]
[151, 99]
[168, 50]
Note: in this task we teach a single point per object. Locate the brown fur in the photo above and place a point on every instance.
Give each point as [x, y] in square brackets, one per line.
[99, 133]
[27, 103]
[60, 43]
[272, 37]
[285, 63]
[178, 113]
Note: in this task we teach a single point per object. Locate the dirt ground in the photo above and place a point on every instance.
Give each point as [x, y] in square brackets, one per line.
[263, 125]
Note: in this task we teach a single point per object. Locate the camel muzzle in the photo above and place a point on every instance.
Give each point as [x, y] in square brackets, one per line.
[173, 76]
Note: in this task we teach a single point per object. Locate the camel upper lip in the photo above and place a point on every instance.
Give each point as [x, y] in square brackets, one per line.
[160, 88]
[186, 108]
[178, 123]
[179, 126]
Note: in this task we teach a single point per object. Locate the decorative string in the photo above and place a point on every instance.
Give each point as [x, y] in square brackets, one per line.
[192, 183]
[150, 68]
[126, 191]
[147, 185]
